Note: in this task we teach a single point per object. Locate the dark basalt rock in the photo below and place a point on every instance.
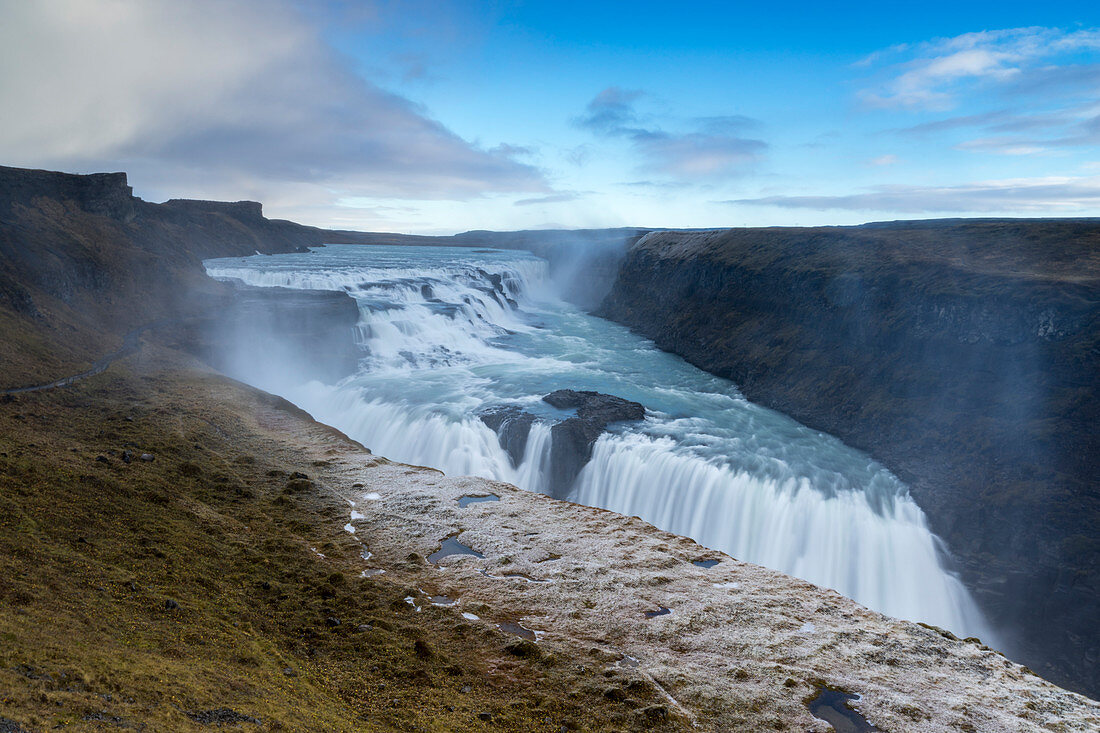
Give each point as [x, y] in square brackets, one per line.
[221, 716]
[572, 439]
[10, 726]
[512, 426]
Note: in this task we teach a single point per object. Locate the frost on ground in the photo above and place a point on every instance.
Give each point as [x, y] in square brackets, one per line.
[743, 646]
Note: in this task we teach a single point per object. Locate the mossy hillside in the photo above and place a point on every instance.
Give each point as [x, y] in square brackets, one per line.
[136, 593]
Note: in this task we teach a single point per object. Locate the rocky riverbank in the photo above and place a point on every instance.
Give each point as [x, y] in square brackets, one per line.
[965, 356]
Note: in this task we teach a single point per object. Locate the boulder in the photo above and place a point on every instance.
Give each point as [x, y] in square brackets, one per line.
[572, 439]
[512, 426]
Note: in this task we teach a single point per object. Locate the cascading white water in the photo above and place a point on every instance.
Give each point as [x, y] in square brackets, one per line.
[449, 332]
[841, 541]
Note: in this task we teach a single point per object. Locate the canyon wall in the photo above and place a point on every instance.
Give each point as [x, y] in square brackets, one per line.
[83, 261]
[964, 355]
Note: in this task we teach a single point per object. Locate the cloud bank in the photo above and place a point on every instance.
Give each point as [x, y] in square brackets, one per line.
[243, 96]
[937, 73]
[1038, 196]
[714, 150]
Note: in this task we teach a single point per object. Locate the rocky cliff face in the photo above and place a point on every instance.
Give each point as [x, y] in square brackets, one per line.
[82, 261]
[965, 356]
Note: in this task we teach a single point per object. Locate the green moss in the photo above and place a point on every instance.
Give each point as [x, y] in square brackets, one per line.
[146, 591]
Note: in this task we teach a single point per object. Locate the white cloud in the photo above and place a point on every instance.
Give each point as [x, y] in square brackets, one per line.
[714, 150]
[1003, 146]
[939, 71]
[1050, 195]
[883, 160]
[211, 97]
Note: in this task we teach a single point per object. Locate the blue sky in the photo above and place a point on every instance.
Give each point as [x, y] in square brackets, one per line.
[440, 117]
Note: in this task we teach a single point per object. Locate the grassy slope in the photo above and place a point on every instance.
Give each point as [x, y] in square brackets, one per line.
[90, 552]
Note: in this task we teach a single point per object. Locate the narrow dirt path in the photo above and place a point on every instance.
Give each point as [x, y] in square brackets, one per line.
[131, 342]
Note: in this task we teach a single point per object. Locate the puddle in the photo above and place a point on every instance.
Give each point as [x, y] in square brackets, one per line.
[470, 616]
[705, 563]
[465, 501]
[371, 572]
[662, 611]
[629, 661]
[832, 706]
[373, 496]
[524, 576]
[509, 627]
[441, 601]
[357, 515]
[807, 628]
[365, 553]
[732, 584]
[349, 528]
[451, 546]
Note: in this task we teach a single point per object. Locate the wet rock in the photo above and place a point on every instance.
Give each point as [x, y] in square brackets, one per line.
[148, 457]
[615, 694]
[654, 713]
[171, 605]
[523, 649]
[332, 621]
[485, 716]
[298, 485]
[104, 717]
[127, 456]
[831, 705]
[572, 439]
[101, 459]
[221, 716]
[512, 426]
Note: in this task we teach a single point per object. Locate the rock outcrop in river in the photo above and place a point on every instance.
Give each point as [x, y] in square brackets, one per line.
[964, 355]
[571, 439]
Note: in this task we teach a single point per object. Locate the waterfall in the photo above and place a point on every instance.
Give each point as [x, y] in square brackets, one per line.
[448, 333]
[884, 556]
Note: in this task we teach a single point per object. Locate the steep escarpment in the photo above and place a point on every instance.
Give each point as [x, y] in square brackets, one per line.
[83, 261]
[963, 355]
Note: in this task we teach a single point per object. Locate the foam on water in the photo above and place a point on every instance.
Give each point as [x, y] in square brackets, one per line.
[448, 332]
